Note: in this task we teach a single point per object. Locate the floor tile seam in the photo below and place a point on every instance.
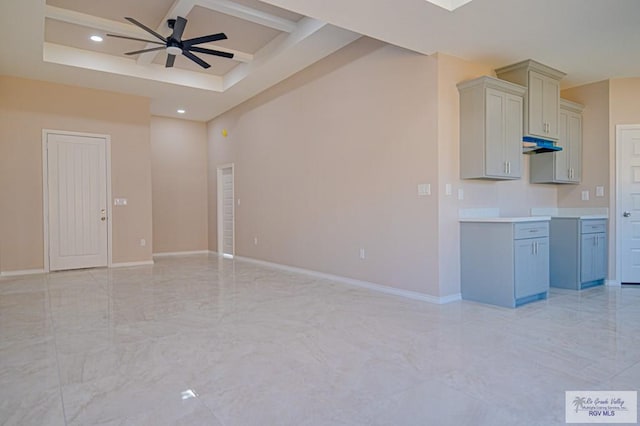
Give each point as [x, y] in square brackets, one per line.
[57, 353]
[633, 365]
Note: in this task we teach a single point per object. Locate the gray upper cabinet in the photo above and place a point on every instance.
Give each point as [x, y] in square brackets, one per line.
[542, 101]
[490, 129]
[562, 166]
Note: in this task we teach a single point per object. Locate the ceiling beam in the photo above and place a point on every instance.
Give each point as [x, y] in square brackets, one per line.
[248, 14]
[71, 56]
[102, 24]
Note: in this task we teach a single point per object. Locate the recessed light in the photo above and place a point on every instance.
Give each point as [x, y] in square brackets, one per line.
[181, 111]
[96, 38]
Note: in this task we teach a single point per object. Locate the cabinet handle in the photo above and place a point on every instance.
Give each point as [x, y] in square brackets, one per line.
[508, 167]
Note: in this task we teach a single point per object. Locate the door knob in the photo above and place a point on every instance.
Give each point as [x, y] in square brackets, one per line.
[626, 214]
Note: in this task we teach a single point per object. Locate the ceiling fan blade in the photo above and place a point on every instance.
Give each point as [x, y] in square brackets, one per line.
[153, 49]
[204, 39]
[178, 28]
[147, 29]
[195, 59]
[211, 52]
[170, 61]
[135, 38]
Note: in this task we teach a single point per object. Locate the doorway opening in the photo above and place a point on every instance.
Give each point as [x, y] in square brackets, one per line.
[628, 204]
[226, 211]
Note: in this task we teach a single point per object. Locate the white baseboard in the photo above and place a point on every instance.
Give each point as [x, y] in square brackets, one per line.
[129, 264]
[181, 253]
[613, 283]
[358, 283]
[23, 272]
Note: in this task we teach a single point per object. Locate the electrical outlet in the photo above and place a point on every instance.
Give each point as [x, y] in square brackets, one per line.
[143, 242]
[238, 201]
[255, 241]
[448, 189]
[460, 194]
[362, 254]
[599, 191]
[585, 195]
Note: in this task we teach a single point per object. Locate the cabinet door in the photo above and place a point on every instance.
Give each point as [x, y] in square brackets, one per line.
[561, 158]
[588, 257]
[600, 257]
[574, 145]
[544, 104]
[536, 105]
[551, 99]
[513, 135]
[495, 159]
[531, 266]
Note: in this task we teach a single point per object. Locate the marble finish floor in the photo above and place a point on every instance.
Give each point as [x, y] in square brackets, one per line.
[203, 341]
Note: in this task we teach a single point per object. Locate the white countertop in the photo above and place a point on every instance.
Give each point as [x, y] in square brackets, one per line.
[584, 216]
[507, 219]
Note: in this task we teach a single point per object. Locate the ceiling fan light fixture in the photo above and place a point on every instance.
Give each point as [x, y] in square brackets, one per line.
[181, 111]
[96, 38]
[174, 50]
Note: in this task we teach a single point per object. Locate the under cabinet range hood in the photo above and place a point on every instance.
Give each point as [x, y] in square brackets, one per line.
[531, 145]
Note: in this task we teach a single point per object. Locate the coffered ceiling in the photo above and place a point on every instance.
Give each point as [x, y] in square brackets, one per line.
[590, 40]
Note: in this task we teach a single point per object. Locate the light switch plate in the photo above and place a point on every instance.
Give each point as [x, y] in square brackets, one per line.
[460, 194]
[585, 195]
[424, 189]
[599, 191]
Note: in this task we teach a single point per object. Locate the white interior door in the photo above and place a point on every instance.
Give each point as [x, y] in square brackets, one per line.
[226, 211]
[77, 196]
[629, 203]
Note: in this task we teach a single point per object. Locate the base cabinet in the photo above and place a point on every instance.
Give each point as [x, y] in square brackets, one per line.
[578, 252]
[505, 264]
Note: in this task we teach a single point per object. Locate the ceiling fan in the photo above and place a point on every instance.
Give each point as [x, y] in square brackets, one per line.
[174, 45]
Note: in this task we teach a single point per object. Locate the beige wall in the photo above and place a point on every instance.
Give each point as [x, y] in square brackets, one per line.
[624, 109]
[451, 71]
[608, 104]
[179, 176]
[27, 107]
[595, 146]
[328, 162]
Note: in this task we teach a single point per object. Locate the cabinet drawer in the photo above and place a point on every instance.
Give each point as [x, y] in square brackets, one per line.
[593, 226]
[531, 230]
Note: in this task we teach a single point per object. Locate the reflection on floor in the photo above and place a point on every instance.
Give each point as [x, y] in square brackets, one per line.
[204, 341]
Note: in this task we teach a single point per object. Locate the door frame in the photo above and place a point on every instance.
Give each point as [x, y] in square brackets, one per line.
[220, 213]
[45, 190]
[618, 206]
